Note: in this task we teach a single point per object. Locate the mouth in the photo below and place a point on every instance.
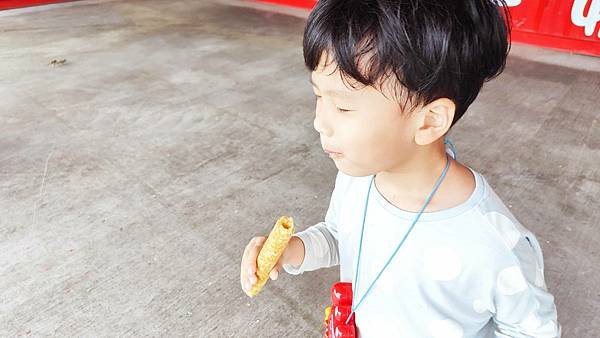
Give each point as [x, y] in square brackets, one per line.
[332, 154]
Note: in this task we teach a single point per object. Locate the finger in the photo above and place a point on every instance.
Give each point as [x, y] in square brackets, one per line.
[249, 246]
[248, 250]
[258, 240]
[246, 290]
[247, 282]
[248, 271]
[274, 274]
[245, 266]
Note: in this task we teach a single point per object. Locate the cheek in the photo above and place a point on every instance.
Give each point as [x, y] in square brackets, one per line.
[379, 136]
[358, 138]
[366, 143]
[385, 143]
[368, 149]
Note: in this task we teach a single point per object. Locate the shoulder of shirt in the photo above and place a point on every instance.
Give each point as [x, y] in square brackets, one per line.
[496, 219]
[492, 203]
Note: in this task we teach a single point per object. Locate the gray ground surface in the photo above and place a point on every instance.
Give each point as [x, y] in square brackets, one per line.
[132, 176]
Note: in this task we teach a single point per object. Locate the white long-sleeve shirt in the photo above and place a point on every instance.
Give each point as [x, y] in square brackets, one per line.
[469, 271]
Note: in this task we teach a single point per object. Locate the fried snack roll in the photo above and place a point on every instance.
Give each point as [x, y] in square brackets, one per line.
[271, 251]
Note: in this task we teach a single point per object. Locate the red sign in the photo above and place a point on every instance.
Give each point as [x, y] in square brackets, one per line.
[11, 4]
[568, 25]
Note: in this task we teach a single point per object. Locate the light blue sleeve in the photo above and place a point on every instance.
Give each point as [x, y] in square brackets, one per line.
[524, 307]
[321, 240]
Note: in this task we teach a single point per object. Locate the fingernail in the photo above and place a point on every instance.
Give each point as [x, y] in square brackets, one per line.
[252, 279]
[274, 275]
[250, 270]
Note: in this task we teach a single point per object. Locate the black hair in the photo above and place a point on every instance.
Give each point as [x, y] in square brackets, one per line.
[433, 48]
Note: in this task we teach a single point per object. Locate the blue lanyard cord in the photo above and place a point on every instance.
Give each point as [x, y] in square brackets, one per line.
[449, 142]
[356, 275]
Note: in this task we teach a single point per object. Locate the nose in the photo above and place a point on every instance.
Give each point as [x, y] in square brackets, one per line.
[321, 125]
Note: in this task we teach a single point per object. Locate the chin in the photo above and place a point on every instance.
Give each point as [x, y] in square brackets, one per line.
[353, 171]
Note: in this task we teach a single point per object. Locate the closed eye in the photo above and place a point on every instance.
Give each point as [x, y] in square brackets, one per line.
[317, 97]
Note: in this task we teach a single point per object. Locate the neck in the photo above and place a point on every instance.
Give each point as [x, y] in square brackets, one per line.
[414, 178]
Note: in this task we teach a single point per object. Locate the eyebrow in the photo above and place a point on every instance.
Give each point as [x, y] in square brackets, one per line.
[333, 92]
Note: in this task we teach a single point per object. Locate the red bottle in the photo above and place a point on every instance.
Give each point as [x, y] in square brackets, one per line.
[337, 314]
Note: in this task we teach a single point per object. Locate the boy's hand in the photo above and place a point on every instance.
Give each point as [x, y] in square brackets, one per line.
[248, 269]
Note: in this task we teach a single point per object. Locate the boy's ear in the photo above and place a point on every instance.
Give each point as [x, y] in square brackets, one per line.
[434, 120]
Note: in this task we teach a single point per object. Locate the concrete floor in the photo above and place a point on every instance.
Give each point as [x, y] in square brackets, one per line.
[133, 175]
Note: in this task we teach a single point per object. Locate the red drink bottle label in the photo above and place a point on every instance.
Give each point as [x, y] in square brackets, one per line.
[341, 309]
[341, 294]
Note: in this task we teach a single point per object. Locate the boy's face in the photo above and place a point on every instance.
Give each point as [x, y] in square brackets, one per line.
[367, 132]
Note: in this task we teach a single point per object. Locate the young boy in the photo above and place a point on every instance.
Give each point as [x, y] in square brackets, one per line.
[431, 250]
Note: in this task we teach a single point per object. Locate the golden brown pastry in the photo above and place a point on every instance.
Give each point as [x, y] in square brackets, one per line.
[271, 252]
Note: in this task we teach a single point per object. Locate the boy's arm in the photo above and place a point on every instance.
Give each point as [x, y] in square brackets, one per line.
[524, 307]
[294, 252]
[317, 246]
